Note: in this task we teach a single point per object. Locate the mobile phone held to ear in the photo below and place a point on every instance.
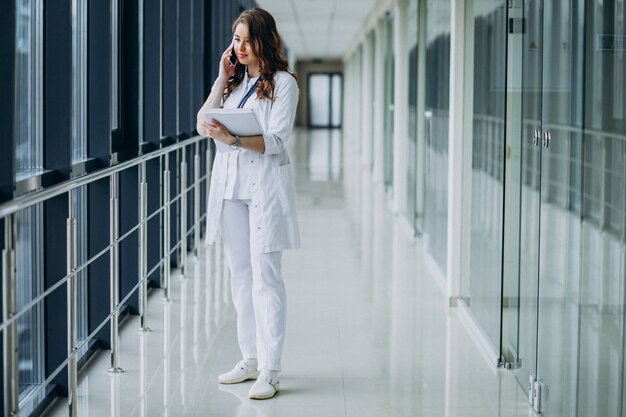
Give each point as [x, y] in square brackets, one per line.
[233, 57]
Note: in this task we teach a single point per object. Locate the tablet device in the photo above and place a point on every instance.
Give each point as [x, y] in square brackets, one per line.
[241, 122]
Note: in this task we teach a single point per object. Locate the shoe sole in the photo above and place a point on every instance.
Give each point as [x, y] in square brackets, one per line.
[263, 397]
[237, 381]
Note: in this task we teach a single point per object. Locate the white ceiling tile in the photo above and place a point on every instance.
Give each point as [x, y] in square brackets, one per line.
[318, 28]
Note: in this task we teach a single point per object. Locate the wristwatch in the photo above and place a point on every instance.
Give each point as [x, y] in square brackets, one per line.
[237, 143]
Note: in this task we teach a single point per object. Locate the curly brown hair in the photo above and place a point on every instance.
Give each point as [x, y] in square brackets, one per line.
[267, 46]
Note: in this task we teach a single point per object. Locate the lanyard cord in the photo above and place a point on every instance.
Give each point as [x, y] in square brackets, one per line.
[248, 94]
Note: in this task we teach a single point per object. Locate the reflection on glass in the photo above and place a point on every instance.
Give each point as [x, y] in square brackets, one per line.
[488, 141]
[324, 155]
[412, 115]
[436, 129]
[28, 87]
[388, 100]
[319, 99]
[79, 80]
[29, 261]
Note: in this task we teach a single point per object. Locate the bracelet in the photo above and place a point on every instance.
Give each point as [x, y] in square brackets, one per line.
[237, 143]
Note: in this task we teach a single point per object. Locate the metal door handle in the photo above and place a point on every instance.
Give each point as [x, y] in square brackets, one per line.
[546, 139]
[536, 136]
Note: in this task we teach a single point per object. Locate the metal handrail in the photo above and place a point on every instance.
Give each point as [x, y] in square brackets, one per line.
[28, 200]
[10, 311]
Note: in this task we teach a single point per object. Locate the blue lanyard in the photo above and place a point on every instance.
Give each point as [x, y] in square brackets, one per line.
[248, 94]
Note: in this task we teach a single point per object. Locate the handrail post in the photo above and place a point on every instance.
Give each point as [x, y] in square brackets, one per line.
[210, 251]
[72, 365]
[183, 214]
[114, 271]
[9, 336]
[196, 200]
[143, 250]
[166, 229]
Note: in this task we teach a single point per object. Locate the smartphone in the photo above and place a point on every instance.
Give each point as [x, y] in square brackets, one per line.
[233, 57]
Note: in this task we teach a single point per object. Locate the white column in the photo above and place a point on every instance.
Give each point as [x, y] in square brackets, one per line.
[401, 104]
[455, 153]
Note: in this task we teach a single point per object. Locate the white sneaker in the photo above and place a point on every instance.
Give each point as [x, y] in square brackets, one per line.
[241, 372]
[264, 388]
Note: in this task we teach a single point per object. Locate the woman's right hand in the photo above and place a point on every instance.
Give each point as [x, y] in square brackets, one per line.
[226, 69]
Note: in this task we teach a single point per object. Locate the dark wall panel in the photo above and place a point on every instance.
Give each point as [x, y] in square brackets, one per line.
[153, 174]
[184, 66]
[169, 68]
[55, 268]
[99, 272]
[129, 217]
[129, 144]
[151, 73]
[7, 51]
[57, 88]
[99, 95]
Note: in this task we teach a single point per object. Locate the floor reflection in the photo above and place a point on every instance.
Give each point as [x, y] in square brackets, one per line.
[368, 331]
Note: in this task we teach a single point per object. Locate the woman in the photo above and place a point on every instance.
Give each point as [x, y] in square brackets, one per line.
[251, 202]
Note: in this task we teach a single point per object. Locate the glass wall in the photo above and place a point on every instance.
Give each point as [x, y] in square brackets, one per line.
[79, 150]
[28, 86]
[435, 135]
[412, 41]
[601, 347]
[29, 161]
[388, 100]
[488, 146]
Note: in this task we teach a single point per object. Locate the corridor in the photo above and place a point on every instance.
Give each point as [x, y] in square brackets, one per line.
[368, 329]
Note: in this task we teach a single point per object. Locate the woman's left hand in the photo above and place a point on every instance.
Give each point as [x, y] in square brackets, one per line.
[217, 131]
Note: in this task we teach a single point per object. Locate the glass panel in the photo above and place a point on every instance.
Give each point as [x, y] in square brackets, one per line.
[79, 80]
[598, 351]
[319, 99]
[488, 143]
[336, 100]
[527, 180]
[115, 63]
[412, 113]
[80, 210]
[437, 108]
[372, 59]
[560, 227]
[388, 101]
[29, 261]
[28, 87]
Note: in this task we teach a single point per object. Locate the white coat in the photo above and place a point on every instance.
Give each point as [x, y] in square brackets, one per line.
[273, 209]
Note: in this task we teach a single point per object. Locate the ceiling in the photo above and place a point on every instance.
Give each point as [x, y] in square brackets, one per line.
[318, 28]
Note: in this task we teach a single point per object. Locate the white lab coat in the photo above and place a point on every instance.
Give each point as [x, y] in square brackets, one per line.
[273, 208]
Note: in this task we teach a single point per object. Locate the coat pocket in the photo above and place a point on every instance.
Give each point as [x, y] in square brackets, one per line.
[285, 189]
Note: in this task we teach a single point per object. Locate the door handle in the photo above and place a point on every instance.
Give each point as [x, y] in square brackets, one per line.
[536, 136]
[547, 137]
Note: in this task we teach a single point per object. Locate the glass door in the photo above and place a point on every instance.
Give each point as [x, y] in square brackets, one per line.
[527, 180]
[550, 223]
[560, 223]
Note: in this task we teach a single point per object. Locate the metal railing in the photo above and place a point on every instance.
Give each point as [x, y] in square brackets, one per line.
[13, 405]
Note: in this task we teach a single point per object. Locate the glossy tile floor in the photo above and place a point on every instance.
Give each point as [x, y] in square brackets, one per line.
[369, 331]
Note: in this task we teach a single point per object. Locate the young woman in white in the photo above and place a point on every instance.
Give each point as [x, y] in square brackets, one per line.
[251, 201]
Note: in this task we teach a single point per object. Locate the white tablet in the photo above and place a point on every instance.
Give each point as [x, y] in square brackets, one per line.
[242, 122]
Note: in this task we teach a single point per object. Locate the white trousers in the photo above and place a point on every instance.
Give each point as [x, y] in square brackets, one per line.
[257, 288]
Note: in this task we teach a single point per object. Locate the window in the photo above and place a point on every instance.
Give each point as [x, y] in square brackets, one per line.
[28, 87]
[324, 100]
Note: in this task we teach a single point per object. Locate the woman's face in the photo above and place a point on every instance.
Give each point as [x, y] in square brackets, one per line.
[243, 46]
